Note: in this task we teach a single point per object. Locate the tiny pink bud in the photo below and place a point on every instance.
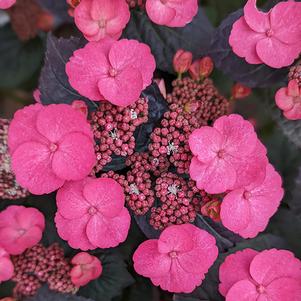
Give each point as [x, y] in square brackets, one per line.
[201, 68]
[45, 21]
[182, 61]
[212, 209]
[80, 106]
[161, 84]
[239, 91]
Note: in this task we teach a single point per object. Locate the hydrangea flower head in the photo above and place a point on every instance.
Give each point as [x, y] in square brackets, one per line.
[6, 266]
[5, 4]
[98, 19]
[116, 71]
[247, 210]
[272, 38]
[224, 155]
[288, 99]
[49, 145]
[178, 260]
[85, 268]
[172, 13]
[271, 275]
[20, 228]
[91, 214]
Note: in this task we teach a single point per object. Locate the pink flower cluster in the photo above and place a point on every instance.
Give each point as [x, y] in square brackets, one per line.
[116, 71]
[91, 214]
[5, 4]
[260, 276]
[85, 268]
[178, 260]
[170, 12]
[229, 158]
[50, 145]
[272, 38]
[288, 99]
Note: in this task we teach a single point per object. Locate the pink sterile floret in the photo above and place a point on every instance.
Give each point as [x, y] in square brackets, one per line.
[271, 275]
[117, 71]
[172, 13]
[20, 228]
[49, 145]
[91, 214]
[86, 268]
[178, 260]
[247, 210]
[98, 19]
[288, 99]
[5, 4]
[6, 266]
[272, 38]
[227, 155]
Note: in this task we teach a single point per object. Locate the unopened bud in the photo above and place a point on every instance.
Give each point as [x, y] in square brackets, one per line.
[182, 61]
[201, 68]
[239, 91]
[80, 106]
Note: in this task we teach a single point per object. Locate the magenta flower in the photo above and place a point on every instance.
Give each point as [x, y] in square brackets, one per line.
[6, 266]
[117, 71]
[172, 13]
[271, 275]
[178, 260]
[50, 145]
[98, 19]
[227, 155]
[271, 38]
[91, 214]
[20, 228]
[247, 211]
[85, 268]
[288, 99]
[5, 4]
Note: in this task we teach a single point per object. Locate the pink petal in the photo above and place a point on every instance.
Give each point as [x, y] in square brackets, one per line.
[75, 157]
[31, 237]
[108, 232]
[277, 54]
[6, 267]
[29, 217]
[8, 216]
[245, 289]
[5, 4]
[82, 258]
[159, 13]
[243, 41]
[235, 268]
[283, 100]
[105, 194]
[148, 262]
[102, 9]
[31, 163]
[257, 20]
[274, 264]
[23, 127]
[294, 113]
[205, 143]
[8, 237]
[293, 88]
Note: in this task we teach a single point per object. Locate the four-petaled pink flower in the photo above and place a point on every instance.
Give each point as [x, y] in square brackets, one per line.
[288, 99]
[85, 268]
[227, 155]
[116, 71]
[50, 145]
[178, 260]
[20, 228]
[172, 13]
[272, 38]
[91, 214]
[5, 4]
[6, 266]
[98, 19]
[247, 210]
[271, 275]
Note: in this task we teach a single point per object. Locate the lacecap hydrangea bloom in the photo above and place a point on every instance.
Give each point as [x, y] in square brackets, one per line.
[20, 228]
[116, 71]
[172, 13]
[98, 19]
[91, 214]
[6, 266]
[271, 275]
[272, 38]
[5, 4]
[50, 145]
[85, 268]
[178, 260]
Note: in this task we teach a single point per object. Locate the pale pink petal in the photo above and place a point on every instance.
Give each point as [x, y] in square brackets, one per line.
[283, 100]
[103, 9]
[108, 232]
[196, 171]
[293, 88]
[273, 264]
[6, 266]
[245, 289]
[106, 195]
[82, 258]
[31, 163]
[235, 268]
[243, 41]
[5, 4]
[294, 113]
[28, 217]
[159, 13]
